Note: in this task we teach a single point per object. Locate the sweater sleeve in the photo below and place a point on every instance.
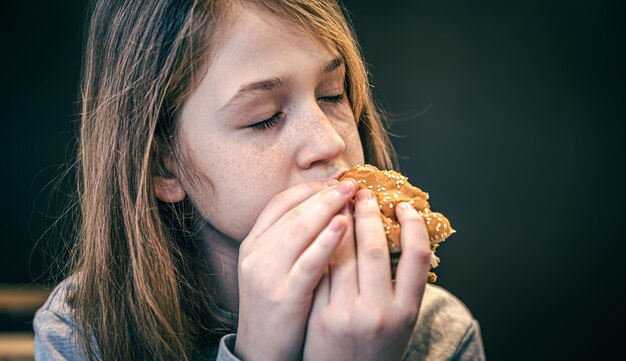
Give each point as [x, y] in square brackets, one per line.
[55, 332]
[226, 348]
[471, 346]
[445, 330]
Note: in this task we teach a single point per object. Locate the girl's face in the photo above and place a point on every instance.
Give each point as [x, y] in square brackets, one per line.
[271, 112]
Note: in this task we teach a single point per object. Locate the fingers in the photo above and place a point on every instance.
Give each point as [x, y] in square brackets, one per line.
[414, 262]
[374, 273]
[307, 270]
[286, 200]
[343, 274]
[287, 217]
[295, 230]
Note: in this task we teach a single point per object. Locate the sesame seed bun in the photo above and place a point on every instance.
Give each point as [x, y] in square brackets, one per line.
[391, 188]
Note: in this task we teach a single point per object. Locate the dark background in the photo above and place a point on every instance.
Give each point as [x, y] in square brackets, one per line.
[509, 113]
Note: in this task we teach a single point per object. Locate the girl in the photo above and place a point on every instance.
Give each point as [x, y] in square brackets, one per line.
[212, 223]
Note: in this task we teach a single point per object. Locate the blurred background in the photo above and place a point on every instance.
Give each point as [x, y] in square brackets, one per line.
[509, 113]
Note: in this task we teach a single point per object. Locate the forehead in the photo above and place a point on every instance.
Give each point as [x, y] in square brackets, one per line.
[259, 45]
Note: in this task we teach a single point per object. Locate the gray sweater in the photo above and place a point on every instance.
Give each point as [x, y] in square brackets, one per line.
[445, 330]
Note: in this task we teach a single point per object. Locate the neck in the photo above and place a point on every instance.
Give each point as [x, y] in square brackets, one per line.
[222, 253]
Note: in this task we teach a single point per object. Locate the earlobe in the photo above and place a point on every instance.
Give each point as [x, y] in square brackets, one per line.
[168, 190]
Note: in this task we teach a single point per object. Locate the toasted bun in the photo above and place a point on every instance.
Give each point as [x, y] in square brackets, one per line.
[391, 188]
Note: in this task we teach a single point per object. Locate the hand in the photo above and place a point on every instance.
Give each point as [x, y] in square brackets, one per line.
[358, 313]
[280, 264]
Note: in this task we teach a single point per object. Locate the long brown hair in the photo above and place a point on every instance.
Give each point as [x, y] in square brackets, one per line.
[142, 287]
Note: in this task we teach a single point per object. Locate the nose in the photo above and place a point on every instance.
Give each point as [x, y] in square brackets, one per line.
[321, 138]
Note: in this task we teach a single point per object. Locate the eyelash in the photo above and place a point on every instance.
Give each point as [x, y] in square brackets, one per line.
[271, 122]
[334, 99]
[267, 123]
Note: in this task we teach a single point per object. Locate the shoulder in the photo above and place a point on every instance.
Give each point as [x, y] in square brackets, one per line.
[56, 302]
[55, 330]
[445, 329]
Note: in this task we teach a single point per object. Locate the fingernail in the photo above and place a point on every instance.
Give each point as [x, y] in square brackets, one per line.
[347, 186]
[331, 182]
[365, 194]
[406, 207]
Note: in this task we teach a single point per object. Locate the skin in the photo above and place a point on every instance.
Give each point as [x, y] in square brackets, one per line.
[279, 227]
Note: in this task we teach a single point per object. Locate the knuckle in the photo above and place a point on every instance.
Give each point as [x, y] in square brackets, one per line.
[418, 253]
[275, 298]
[246, 267]
[376, 252]
[375, 321]
[422, 252]
[340, 324]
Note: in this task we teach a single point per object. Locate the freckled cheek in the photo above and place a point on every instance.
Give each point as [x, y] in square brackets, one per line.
[244, 185]
[236, 205]
[347, 128]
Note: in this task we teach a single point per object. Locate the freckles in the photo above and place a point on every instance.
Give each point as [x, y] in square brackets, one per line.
[254, 165]
[346, 126]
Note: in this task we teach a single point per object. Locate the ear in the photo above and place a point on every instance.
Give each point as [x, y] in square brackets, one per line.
[165, 179]
[168, 189]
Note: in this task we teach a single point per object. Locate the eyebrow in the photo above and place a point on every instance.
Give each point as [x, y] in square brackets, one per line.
[333, 65]
[267, 85]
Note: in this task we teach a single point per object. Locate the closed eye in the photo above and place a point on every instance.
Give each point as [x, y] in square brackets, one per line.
[274, 119]
[267, 123]
[332, 99]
